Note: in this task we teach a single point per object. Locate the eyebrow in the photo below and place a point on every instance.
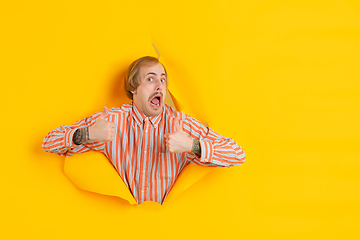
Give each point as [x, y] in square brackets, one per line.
[162, 74]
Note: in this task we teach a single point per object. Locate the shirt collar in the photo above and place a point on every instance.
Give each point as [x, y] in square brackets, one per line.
[139, 117]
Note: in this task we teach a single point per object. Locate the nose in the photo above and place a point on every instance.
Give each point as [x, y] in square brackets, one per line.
[158, 86]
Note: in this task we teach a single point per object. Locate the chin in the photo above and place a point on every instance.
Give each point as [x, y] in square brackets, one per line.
[154, 111]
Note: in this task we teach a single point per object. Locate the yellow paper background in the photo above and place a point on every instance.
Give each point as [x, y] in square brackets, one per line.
[280, 77]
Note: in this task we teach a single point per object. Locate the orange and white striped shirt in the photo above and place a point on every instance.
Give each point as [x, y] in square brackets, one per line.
[138, 151]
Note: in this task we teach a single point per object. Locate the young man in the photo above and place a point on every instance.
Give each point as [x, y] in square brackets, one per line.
[148, 142]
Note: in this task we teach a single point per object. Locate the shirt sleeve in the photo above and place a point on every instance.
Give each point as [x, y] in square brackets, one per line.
[60, 140]
[216, 150]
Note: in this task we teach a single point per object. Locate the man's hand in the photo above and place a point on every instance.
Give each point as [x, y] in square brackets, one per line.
[102, 130]
[178, 141]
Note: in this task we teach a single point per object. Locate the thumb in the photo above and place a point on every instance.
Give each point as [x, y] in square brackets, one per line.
[177, 125]
[104, 113]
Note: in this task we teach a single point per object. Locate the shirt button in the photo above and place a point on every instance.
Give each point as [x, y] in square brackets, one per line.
[145, 151]
[143, 171]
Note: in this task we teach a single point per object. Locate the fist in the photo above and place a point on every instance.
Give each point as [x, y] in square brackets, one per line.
[102, 130]
[178, 141]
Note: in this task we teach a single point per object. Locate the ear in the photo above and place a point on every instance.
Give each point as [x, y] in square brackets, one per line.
[133, 92]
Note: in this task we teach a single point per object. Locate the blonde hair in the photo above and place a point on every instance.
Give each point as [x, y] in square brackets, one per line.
[132, 78]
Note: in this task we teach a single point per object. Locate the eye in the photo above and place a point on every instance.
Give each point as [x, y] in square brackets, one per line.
[149, 79]
[162, 80]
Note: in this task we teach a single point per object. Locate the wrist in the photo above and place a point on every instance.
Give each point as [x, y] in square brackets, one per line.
[190, 145]
[80, 136]
[90, 137]
[196, 148]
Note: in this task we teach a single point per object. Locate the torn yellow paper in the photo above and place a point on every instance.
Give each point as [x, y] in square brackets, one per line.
[92, 172]
[173, 102]
[189, 175]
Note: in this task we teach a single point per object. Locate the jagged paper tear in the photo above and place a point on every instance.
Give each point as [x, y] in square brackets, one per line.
[93, 172]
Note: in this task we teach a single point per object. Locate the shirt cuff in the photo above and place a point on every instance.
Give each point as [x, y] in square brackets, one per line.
[69, 138]
[207, 151]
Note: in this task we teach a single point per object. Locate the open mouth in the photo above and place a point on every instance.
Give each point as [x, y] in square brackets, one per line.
[156, 101]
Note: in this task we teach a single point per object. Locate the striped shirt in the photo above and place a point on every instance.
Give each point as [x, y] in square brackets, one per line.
[138, 151]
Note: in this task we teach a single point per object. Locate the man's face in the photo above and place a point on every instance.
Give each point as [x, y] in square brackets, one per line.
[150, 94]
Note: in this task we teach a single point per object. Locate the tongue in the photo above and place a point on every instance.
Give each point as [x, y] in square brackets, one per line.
[155, 101]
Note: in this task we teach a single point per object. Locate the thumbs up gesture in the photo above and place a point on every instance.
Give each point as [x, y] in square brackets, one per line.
[102, 130]
[178, 141]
